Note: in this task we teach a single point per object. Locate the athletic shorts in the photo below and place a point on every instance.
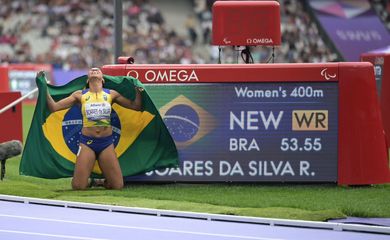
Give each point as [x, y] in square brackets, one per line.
[97, 144]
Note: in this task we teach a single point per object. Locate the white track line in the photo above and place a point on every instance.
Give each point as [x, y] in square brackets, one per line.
[51, 235]
[140, 228]
[202, 216]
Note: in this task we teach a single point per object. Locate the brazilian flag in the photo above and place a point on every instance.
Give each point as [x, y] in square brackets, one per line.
[141, 139]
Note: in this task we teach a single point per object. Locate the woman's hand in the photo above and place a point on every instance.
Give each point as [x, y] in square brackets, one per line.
[140, 89]
[41, 80]
[40, 74]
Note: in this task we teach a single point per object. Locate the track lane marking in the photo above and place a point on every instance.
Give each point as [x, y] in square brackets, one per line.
[51, 235]
[140, 228]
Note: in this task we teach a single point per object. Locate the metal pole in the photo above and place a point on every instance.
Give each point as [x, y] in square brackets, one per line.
[117, 29]
[17, 101]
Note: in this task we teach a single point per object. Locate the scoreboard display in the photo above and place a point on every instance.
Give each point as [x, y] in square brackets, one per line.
[268, 122]
[251, 131]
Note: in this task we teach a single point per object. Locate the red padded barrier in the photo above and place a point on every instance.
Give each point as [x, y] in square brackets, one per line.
[11, 120]
[4, 79]
[362, 149]
[182, 73]
[384, 98]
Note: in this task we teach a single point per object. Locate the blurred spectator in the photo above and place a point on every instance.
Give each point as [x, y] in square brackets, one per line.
[190, 25]
[382, 7]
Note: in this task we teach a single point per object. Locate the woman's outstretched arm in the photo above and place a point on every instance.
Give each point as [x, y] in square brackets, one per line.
[63, 103]
[136, 104]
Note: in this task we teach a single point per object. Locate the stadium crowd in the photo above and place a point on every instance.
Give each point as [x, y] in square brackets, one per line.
[73, 34]
[382, 7]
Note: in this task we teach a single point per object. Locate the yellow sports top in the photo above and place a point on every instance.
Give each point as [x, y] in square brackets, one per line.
[96, 108]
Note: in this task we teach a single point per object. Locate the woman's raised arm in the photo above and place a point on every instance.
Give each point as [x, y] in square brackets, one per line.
[124, 102]
[63, 103]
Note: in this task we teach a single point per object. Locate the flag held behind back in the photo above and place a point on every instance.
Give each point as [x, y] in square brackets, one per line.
[142, 141]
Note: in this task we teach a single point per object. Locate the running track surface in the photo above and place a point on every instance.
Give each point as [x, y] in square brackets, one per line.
[34, 221]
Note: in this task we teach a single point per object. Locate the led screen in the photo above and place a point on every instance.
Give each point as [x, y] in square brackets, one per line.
[250, 131]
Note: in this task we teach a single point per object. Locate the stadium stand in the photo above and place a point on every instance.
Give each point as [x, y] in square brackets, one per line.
[77, 34]
[382, 7]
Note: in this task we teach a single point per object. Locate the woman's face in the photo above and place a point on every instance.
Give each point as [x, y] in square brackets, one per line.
[95, 73]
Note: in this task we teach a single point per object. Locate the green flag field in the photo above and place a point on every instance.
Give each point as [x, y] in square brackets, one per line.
[317, 202]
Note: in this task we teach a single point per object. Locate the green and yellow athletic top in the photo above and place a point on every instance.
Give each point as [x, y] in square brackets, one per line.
[96, 108]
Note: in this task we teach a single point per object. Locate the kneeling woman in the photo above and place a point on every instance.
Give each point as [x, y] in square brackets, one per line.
[96, 141]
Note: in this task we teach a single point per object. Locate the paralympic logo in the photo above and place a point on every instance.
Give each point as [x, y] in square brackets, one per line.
[327, 75]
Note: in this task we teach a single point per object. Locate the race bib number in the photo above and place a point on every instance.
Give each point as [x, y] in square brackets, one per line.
[97, 111]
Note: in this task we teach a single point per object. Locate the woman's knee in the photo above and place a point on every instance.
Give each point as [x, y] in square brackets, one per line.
[117, 185]
[78, 185]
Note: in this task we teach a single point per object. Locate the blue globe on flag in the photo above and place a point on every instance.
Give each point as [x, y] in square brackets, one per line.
[182, 122]
[73, 122]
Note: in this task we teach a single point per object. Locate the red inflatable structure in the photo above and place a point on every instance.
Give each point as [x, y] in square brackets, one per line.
[11, 120]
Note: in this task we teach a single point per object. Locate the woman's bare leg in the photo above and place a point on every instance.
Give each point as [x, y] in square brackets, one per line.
[83, 168]
[109, 164]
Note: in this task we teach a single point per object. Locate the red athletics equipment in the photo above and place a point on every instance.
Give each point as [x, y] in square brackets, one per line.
[246, 23]
[11, 119]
